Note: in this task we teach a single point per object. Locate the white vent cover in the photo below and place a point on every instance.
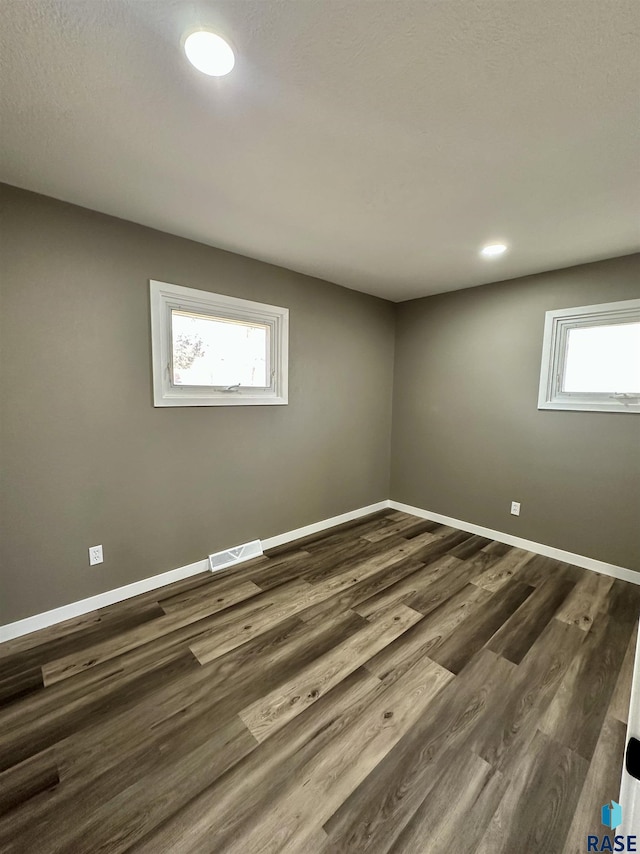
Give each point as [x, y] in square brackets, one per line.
[238, 554]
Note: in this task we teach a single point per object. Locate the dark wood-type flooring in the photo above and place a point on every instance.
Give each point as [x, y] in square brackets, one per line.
[392, 685]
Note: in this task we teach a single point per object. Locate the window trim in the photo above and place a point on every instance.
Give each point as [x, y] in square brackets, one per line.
[165, 297]
[556, 327]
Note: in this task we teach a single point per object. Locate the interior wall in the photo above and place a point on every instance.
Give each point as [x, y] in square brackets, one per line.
[87, 459]
[468, 437]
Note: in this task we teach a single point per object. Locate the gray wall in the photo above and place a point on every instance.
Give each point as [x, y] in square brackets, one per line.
[468, 438]
[86, 457]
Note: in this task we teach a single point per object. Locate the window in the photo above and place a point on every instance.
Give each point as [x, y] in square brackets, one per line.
[591, 358]
[214, 350]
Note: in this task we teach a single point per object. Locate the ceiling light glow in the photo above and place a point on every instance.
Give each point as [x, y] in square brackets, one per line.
[209, 53]
[493, 250]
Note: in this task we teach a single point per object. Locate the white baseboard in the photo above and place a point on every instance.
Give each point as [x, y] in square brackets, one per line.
[620, 572]
[102, 600]
[110, 597]
[316, 527]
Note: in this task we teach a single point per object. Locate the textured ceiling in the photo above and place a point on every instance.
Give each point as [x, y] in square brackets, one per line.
[374, 144]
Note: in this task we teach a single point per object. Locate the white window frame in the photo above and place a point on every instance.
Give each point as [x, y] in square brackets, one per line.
[166, 297]
[554, 348]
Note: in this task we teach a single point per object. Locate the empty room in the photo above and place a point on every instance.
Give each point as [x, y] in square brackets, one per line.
[320, 426]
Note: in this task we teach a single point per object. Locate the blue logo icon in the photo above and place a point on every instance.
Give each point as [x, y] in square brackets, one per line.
[612, 815]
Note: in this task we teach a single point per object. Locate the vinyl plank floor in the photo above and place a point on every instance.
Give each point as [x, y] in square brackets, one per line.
[516, 636]
[458, 649]
[536, 814]
[391, 685]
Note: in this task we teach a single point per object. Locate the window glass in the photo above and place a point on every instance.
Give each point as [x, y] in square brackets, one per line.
[603, 359]
[591, 358]
[216, 351]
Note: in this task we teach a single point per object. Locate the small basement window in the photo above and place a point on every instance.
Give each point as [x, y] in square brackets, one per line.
[591, 358]
[215, 350]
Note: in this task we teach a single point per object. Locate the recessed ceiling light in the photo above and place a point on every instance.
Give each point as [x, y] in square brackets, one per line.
[209, 53]
[493, 250]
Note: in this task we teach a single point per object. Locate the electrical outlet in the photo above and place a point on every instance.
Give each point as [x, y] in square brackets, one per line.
[515, 508]
[95, 555]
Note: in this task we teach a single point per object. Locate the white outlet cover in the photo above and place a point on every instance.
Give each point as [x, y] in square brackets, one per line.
[95, 555]
[515, 508]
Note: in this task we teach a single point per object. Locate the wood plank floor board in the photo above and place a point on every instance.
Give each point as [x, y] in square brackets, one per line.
[424, 527]
[480, 626]
[602, 784]
[520, 631]
[213, 586]
[469, 547]
[98, 683]
[272, 711]
[354, 530]
[420, 639]
[322, 566]
[161, 627]
[288, 644]
[441, 587]
[621, 698]
[325, 562]
[76, 631]
[228, 630]
[407, 528]
[497, 549]
[375, 814]
[586, 600]
[407, 587]
[332, 774]
[439, 545]
[400, 515]
[435, 825]
[351, 529]
[536, 813]
[352, 597]
[42, 653]
[537, 569]
[218, 691]
[499, 566]
[116, 824]
[506, 735]
[23, 781]
[288, 570]
[247, 570]
[83, 790]
[221, 810]
[476, 812]
[176, 722]
[577, 712]
[278, 604]
[279, 705]
[623, 602]
[218, 583]
[20, 684]
[27, 738]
